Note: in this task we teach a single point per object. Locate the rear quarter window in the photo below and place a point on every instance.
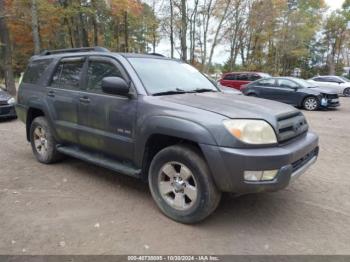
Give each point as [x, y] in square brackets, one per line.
[35, 70]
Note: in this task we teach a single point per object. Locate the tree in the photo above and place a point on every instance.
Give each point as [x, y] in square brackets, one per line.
[6, 51]
[35, 27]
[183, 31]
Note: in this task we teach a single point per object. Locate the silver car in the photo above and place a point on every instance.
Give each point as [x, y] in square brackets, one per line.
[337, 83]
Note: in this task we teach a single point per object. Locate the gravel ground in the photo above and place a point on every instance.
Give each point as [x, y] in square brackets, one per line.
[76, 208]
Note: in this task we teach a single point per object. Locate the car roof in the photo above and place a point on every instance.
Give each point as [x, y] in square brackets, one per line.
[326, 76]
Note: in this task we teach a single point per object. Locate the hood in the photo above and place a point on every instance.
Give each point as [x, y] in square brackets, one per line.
[4, 96]
[233, 106]
[318, 90]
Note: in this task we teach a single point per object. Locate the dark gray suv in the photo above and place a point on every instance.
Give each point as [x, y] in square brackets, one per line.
[161, 120]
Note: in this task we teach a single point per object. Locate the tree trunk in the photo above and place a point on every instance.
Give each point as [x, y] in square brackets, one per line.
[126, 31]
[35, 27]
[154, 28]
[171, 29]
[218, 30]
[183, 30]
[83, 32]
[7, 52]
[94, 22]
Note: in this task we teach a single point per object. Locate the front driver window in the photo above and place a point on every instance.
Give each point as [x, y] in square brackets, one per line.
[97, 71]
[284, 83]
[267, 82]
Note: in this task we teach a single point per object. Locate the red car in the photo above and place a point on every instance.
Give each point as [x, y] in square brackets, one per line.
[237, 79]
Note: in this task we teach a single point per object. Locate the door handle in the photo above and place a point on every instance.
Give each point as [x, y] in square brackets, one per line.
[51, 93]
[84, 100]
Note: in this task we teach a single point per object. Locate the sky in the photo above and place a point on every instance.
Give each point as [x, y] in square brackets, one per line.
[221, 54]
[334, 4]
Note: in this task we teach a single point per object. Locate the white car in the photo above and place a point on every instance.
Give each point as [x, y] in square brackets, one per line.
[337, 83]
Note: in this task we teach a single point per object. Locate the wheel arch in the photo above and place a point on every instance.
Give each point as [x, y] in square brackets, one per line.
[32, 113]
[306, 97]
[160, 132]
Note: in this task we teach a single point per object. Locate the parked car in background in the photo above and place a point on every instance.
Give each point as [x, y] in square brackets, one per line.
[237, 79]
[293, 91]
[338, 83]
[7, 105]
[224, 89]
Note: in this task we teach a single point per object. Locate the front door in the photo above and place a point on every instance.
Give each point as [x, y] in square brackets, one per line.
[286, 92]
[106, 122]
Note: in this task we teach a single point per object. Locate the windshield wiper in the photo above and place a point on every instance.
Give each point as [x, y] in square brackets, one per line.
[202, 90]
[170, 92]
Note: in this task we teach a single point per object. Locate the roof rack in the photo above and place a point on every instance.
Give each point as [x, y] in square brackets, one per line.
[73, 50]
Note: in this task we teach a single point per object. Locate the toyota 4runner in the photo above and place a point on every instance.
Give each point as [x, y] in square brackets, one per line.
[161, 120]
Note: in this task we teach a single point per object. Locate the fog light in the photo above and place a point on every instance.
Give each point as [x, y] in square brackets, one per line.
[269, 175]
[266, 175]
[253, 175]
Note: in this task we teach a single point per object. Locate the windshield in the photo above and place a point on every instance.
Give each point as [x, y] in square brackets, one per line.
[344, 78]
[304, 83]
[161, 76]
[264, 75]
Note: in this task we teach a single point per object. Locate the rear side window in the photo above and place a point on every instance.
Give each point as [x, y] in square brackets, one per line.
[254, 77]
[242, 77]
[35, 70]
[68, 74]
[285, 83]
[230, 77]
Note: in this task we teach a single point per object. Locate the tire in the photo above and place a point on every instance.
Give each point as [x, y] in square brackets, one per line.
[252, 95]
[346, 92]
[311, 103]
[192, 195]
[43, 142]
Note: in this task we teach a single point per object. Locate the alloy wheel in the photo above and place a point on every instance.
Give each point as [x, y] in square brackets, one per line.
[40, 140]
[177, 186]
[311, 104]
[347, 92]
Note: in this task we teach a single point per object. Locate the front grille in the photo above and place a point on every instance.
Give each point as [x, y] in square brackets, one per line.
[3, 103]
[300, 162]
[334, 96]
[291, 126]
[5, 110]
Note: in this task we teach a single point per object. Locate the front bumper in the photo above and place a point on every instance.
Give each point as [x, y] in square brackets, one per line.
[334, 102]
[292, 159]
[7, 111]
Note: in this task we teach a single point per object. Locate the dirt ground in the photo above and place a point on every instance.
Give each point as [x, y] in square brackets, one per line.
[76, 208]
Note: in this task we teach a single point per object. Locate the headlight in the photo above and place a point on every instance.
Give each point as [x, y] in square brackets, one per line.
[11, 101]
[251, 131]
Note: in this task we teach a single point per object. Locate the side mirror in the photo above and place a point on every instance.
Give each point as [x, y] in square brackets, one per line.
[115, 85]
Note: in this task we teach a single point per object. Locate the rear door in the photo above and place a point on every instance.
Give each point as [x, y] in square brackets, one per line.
[265, 88]
[106, 122]
[242, 79]
[63, 95]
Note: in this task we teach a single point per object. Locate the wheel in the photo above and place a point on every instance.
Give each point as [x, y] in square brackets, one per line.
[181, 184]
[43, 142]
[311, 103]
[346, 91]
[252, 95]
